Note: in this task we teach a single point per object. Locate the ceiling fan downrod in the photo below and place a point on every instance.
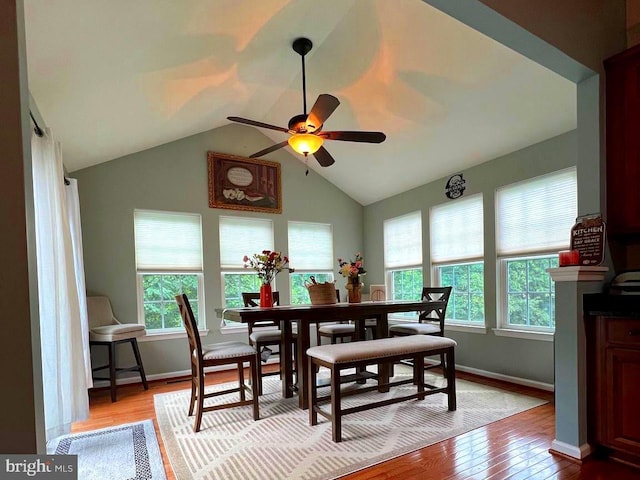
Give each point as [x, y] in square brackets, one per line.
[302, 46]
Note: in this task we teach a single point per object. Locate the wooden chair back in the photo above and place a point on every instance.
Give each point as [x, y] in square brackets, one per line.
[435, 315]
[191, 326]
[252, 299]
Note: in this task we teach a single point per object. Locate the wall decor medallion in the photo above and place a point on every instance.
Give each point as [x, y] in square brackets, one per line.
[455, 186]
[240, 183]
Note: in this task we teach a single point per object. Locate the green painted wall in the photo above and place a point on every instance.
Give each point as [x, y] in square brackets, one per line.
[173, 177]
[482, 351]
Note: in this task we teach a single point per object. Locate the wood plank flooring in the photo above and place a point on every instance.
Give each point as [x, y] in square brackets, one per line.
[516, 448]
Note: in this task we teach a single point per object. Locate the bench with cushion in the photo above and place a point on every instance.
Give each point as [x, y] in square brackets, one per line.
[344, 356]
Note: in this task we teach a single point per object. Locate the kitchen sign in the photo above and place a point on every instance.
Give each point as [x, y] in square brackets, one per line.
[587, 237]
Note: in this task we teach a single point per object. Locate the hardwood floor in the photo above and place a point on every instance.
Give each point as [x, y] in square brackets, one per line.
[516, 448]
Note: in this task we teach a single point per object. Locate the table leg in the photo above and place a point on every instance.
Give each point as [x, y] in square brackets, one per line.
[303, 364]
[383, 368]
[286, 366]
[360, 335]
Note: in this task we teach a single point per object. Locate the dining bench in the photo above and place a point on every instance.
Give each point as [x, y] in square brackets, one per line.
[343, 356]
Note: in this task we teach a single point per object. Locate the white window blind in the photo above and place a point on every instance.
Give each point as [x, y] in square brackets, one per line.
[457, 230]
[310, 246]
[243, 236]
[167, 241]
[536, 215]
[403, 241]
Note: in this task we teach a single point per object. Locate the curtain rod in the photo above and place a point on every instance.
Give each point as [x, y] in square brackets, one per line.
[36, 128]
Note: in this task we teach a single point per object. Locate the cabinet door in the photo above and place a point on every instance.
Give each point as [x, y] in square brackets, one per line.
[623, 400]
[623, 142]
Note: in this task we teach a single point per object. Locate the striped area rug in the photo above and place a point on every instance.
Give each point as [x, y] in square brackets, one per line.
[282, 445]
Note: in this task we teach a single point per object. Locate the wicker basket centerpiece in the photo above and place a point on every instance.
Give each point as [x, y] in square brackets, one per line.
[321, 293]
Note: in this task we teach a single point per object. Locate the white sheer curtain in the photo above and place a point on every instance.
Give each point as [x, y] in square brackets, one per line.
[63, 327]
[73, 212]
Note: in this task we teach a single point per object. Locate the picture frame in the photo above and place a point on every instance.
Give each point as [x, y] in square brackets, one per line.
[239, 183]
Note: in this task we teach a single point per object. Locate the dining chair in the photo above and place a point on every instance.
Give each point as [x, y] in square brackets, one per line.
[343, 330]
[106, 330]
[430, 320]
[223, 353]
[336, 331]
[265, 334]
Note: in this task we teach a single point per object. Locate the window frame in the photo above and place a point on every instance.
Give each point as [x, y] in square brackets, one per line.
[503, 303]
[178, 330]
[435, 281]
[404, 317]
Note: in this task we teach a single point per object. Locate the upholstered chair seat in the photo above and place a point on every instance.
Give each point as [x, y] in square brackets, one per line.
[112, 333]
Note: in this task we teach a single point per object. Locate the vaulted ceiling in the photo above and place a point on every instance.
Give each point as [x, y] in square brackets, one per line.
[116, 77]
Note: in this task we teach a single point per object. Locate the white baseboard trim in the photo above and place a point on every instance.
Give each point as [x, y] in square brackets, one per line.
[135, 378]
[499, 376]
[579, 453]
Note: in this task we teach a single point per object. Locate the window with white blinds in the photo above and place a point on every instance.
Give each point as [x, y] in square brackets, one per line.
[168, 248]
[167, 241]
[403, 241]
[457, 256]
[457, 230]
[310, 246]
[536, 215]
[403, 259]
[241, 236]
[310, 254]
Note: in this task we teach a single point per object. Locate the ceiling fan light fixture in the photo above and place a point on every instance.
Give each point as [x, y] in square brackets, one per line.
[305, 143]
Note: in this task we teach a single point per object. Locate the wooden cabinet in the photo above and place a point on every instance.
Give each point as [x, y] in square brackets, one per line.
[613, 348]
[623, 143]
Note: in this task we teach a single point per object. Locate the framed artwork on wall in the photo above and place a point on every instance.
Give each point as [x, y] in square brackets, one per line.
[239, 183]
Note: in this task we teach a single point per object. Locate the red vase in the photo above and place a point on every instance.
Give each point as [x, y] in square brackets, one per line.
[266, 295]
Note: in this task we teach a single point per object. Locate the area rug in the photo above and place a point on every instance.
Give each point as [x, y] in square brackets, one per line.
[128, 451]
[282, 445]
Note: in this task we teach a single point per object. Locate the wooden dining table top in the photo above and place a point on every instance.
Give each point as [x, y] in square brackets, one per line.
[332, 312]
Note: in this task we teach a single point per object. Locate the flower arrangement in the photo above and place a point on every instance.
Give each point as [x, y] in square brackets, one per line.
[267, 264]
[352, 268]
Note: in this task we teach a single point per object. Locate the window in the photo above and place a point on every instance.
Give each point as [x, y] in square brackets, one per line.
[403, 258]
[533, 221]
[457, 257]
[240, 236]
[310, 253]
[168, 250]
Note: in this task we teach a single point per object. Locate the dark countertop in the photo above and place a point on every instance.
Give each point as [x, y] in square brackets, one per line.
[612, 305]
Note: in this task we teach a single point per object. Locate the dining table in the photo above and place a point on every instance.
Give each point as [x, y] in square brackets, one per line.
[304, 316]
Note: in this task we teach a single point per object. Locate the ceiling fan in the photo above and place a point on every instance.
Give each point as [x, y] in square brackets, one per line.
[306, 134]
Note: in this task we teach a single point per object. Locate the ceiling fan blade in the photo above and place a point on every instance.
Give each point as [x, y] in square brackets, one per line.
[325, 105]
[272, 148]
[366, 137]
[246, 121]
[324, 158]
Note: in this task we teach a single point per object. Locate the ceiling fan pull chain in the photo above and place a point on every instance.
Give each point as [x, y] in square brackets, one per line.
[306, 163]
[304, 88]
